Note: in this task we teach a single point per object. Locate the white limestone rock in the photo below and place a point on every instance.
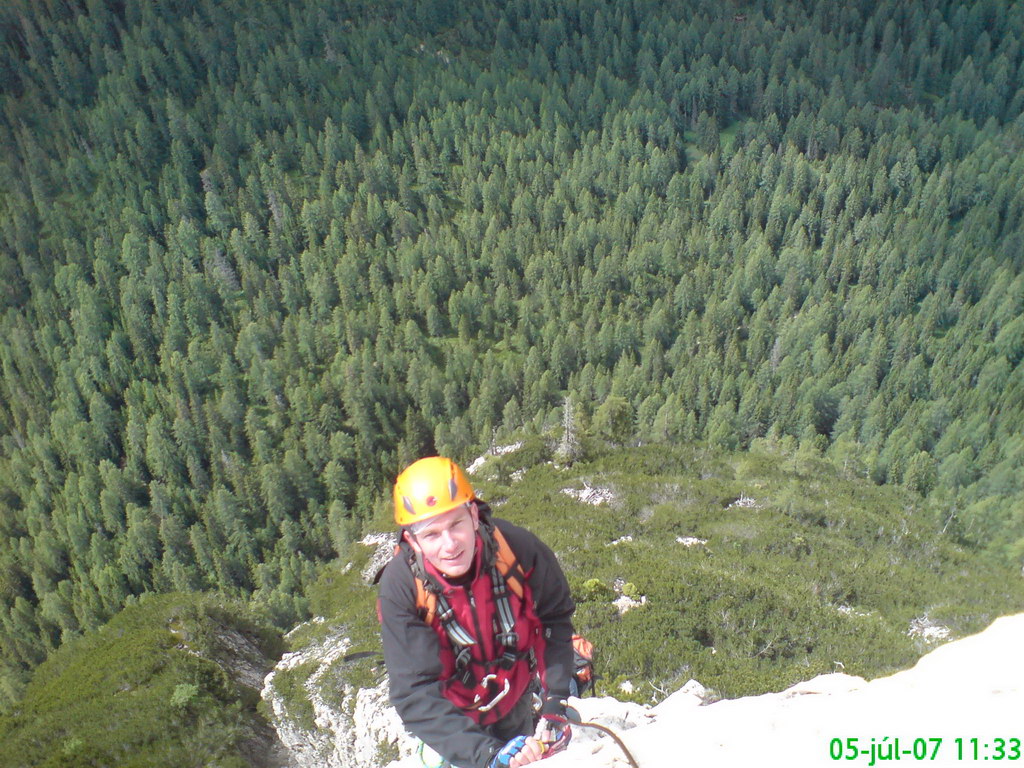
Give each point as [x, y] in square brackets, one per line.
[478, 463]
[384, 549]
[595, 496]
[360, 733]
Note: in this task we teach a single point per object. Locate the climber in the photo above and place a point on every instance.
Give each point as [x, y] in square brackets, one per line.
[476, 624]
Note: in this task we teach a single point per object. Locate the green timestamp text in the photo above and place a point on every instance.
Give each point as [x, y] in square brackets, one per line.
[878, 750]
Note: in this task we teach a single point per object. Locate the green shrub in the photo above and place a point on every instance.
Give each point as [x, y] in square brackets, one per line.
[150, 688]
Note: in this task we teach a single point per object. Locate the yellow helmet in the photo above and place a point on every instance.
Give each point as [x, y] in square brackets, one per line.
[428, 488]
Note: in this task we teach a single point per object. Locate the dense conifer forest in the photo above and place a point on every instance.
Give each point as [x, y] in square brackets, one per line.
[255, 257]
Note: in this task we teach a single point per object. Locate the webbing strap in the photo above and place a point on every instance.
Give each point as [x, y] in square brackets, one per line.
[456, 632]
[505, 635]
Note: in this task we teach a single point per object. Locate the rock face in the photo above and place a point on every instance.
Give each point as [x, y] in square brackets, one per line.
[966, 690]
[971, 690]
[325, 723]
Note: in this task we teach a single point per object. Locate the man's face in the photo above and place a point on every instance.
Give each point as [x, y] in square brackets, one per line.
[448, 541]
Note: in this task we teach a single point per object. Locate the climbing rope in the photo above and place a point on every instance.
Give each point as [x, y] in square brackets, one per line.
[611, 733]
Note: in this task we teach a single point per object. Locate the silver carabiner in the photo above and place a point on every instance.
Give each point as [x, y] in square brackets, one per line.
[493, 702]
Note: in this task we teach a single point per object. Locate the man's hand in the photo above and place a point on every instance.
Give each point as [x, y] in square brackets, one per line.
[533, 752]
[553, 729]
[554, 733]
[521, 750]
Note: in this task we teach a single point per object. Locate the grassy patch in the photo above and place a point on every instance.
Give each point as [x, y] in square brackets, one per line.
[150, 688]
[797, 572]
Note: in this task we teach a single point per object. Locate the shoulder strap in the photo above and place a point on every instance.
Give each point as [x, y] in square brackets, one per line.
[426, 598]
[426, 591]
[507, 563]
[426, 601]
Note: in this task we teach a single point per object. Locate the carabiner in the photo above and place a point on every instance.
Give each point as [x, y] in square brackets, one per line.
[493, 702]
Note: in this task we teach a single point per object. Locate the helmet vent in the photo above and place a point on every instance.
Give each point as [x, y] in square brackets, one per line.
[453, 488]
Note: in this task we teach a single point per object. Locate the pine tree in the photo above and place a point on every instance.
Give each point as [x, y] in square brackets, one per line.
[569, 448]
